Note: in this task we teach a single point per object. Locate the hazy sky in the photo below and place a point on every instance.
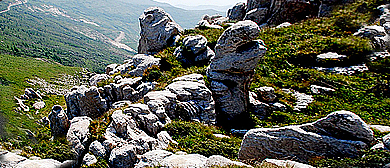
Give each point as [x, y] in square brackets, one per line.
[202, 2]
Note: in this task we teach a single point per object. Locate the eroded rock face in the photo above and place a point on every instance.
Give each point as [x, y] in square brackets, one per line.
[275, 12]
[340, 134]
[82, 101]
[161, 158]
[237, 13]
[94, 80]
[187, 98]
[230, 71]
[78, 133]
[158, 30]
[123, 157]
[134, 66]
[59, 122]
[194, 51]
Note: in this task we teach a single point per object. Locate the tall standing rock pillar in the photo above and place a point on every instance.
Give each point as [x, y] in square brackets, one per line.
[232, 68]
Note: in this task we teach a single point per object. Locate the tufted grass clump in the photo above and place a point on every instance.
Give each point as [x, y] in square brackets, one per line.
[193, 137]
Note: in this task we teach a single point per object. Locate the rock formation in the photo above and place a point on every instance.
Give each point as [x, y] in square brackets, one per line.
[134, 66]
[78, 134]
[230, 71]
[82, 101]
[59, 122]
[158, 30]
[237, 13]
[340, 134]
[194, 51]
[187, 98]
[163, 158]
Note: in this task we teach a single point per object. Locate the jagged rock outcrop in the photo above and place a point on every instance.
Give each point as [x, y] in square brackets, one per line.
[230, 71]
[237, 13]
[158, 30]
[194, 51]
[135, 66]
[213, 22]
[97, 149]
[187, 98]
[12, 160]
[89, 160]
[340, 134]
[94, 80]
[59, 122]
[123, 157]
[163, 158]
[78, 134]
[274, 163]
[83, 101]
[275, 12]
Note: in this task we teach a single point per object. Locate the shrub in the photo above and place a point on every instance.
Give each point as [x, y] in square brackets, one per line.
[152, 74]
[193, 137]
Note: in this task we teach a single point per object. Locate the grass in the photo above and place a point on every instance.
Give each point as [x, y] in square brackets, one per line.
[14, 72]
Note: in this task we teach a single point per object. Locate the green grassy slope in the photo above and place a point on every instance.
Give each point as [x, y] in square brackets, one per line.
[14, 72]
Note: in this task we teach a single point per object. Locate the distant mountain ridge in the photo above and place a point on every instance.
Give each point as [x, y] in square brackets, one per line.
[81, 33]
[222, 10]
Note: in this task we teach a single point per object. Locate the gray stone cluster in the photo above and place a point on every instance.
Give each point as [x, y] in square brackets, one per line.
[230, 71]
[158, 30]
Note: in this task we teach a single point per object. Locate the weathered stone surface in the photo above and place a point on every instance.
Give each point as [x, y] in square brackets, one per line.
[89, 159]
[124, 125]
[194, 51]
[340, 134]
[9, 159]
[237, 13]
[197, 97]
[94, 80]
[315, 89]
[136, 65]
[257, 107]
[220, 161]
[276, 12]
[342, 125]
[123, 157]
[44, 163]
[152, 158]
[82, 101]
[39, 105]
[258, 15]
[231, 69]
[59, 122]
[110, 68]
[97, 149]
[164, 139]
[386, 141]
[283, 25]
[161, 103]
[158, 30]
[78, 133]
[274, 163]
[380, 128]
[183, 161]
[266, 94]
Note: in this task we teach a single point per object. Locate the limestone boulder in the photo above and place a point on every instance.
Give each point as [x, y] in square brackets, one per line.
[78, 134]
[97, 149]
[340, 134]
[94, 80]
[59, 122]
[258, 15]
[274, 163]
[230, 71]
[83, 101]
[30, 93]
[237, 13]
[123, 157]
[196, 101]
[158, 30]
[89, 159]
[194, 51]
[44, 163]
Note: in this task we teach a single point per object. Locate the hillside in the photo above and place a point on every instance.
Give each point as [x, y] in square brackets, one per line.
[78, 33]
